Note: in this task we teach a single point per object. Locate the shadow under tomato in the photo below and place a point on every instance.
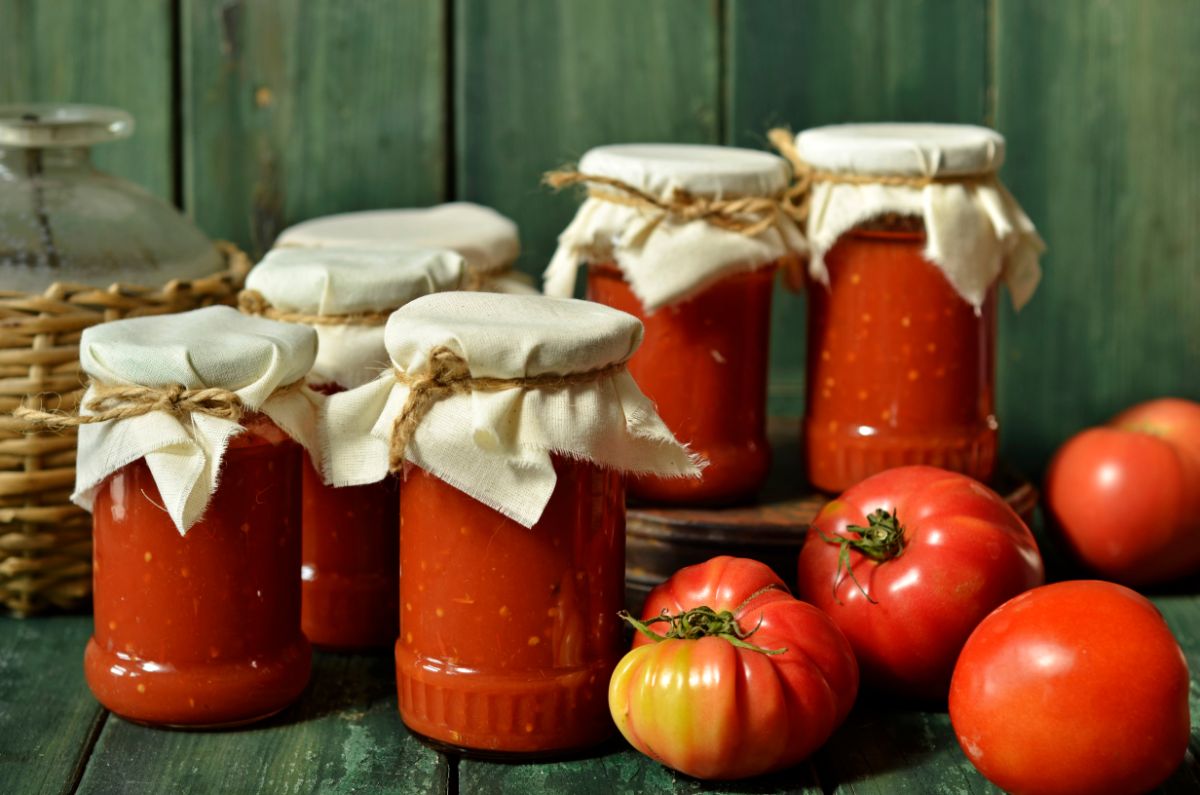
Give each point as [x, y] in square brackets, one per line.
[885, 737]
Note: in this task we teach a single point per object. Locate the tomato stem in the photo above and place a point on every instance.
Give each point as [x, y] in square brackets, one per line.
[881, 540]
[699, 622]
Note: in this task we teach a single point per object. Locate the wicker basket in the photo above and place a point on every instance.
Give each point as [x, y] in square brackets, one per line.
[45, 540]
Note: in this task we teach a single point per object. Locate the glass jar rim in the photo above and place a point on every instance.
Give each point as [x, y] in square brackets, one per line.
[44, 125]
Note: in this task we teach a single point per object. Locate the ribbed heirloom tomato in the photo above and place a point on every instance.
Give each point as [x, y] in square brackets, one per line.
[746, 681]
[1076, 687]
[907, 563]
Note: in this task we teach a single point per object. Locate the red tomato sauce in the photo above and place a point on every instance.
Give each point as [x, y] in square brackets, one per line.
[351, 561]
[202, 629]
[900, 367]
[509, 634]
[704, 364]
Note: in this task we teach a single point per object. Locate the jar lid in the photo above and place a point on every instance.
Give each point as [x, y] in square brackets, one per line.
[485, 238]
[512, 336]
[53, 125]
[696, 168]
[212, 347]
[487, 386]
[345, 281]
[177, 385]
[899, 149]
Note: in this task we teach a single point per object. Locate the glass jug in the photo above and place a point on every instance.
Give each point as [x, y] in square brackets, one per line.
[62, 220]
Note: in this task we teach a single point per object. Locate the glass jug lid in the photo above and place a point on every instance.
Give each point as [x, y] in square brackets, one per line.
[45, 126]
[62, 220]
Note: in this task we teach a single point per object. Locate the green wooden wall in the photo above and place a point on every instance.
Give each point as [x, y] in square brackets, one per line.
[255, 114]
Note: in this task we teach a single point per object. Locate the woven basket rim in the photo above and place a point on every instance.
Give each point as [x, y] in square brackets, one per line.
[45, 540]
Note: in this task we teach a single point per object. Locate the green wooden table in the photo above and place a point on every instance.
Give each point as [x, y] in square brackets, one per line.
[345, 736]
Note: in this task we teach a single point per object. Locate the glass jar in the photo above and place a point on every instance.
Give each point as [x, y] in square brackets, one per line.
[351, 568]
[61, 220]
[351, 552]
[687, 238]
[704, 363]
[201, 629]
[509, 634]
[900, 366]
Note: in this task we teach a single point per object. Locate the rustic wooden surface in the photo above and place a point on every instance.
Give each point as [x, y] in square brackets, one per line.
[344, 736]
[272, 111]
[116, 52]
[539, 82]
[1098, 101]
[299, 108]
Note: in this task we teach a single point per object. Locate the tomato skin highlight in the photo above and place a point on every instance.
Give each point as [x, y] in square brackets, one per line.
[1075, 687]
[965, 553]
[715, 711]
[1126, 497]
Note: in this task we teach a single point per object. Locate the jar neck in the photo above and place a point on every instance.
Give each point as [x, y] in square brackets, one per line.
[24, 162]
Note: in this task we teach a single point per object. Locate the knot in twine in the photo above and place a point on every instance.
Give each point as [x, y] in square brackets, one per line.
[747, 215]
[799, 195]
[449, 374]
[109, 403]
[252, 302]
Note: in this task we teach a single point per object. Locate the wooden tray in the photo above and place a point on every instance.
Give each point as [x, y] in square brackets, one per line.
[661, 540]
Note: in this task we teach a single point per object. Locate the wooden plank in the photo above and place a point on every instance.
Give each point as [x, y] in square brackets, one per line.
[804, 63]
[618, 770]
[113, 53]
[296, 109]
[48, 718]
[539, 82]
[343, 736]
[1098, 102]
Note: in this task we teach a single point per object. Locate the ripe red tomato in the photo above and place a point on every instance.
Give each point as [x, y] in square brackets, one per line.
[1076, 687]
[704, 703]
[1126, 497]
[907, 563]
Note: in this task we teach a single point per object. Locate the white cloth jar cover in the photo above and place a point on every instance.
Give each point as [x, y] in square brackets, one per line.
[496, 445]
[358, 286]
[975, 230]
[487, 240]
[217, 347]
[664, 257]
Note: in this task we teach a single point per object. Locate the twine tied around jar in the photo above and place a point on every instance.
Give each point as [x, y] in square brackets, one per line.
[449, 374]
[252, 302]
[799, 195]
[109, 402]
[747, 215]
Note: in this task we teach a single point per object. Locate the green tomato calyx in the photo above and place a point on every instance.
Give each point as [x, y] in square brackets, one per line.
[881, 540]
[699, 622]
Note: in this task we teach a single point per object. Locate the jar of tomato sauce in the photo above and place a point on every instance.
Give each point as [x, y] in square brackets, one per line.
[350, 567]
[189, 462]
[487, 240]
[514, 421]
[688, 239]
[910, 234]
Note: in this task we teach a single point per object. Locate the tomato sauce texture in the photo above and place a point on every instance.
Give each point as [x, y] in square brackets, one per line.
[900, 367]
[202, 629]
[351, 560]
[509, 634]
[704, 363]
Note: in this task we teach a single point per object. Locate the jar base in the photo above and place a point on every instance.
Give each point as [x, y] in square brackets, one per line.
[348, 613]
[836, 460]
[514, 716]
[735, 473]
[198, 696]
